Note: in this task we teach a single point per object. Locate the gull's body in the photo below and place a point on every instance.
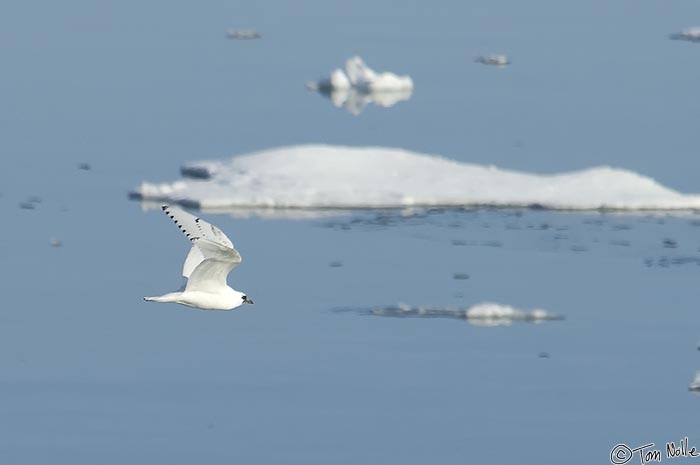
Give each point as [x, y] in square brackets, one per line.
[206, 267]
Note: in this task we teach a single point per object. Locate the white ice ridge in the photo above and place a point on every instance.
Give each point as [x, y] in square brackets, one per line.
[482, 314]
[327, 176]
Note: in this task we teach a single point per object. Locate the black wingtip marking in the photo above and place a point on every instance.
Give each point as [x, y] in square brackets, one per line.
[164, 207]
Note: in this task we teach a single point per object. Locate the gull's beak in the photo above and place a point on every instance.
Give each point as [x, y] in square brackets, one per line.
[248, 301]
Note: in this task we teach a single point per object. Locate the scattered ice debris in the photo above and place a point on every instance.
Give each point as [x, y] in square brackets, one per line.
[84, 166]
[359, 85]
[242, 34]
[695, 384]
[460, 276]
[691, 34]
[670, 243]
[31, 202]
[493, 59]
[336, 177]
[55, 242]
[666, 262]
[483, 314]
[621, 227]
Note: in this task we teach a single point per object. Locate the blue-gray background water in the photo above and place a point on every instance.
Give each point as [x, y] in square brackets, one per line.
[91, 374]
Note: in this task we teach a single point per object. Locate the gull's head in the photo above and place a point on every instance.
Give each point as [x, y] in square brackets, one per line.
[246, 300]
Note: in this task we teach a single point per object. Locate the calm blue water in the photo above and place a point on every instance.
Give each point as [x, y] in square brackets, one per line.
[91, 374]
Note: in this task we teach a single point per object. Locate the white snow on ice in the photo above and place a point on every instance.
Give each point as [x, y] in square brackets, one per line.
[336, 177]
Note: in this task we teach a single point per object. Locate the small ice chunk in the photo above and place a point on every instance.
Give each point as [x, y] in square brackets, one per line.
[691, 34]
[242, 34]
[695, 384]
[494, 59]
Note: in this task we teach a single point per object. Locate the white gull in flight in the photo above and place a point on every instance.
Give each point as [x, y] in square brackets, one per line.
[206, 267]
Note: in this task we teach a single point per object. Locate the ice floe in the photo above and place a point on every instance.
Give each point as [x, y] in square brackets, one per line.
[337, 177]
[494, 59]
[359, 85]
[691, 34]
[482, 314]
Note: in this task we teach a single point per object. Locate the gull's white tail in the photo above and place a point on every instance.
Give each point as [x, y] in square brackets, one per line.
[169, 297]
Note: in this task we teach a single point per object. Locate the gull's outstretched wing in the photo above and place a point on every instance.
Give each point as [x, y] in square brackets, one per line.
[210, 245]
[210, 275]
[196, 228]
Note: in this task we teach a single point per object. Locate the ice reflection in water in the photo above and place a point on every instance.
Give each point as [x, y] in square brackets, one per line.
[355, 100]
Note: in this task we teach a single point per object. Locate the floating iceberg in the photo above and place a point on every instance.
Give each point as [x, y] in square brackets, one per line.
[483, 314]
[359, 85]
[336, 177]
[691, 34]
[493, 59]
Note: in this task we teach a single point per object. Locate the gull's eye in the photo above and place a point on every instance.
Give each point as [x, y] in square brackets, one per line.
[245, 297]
